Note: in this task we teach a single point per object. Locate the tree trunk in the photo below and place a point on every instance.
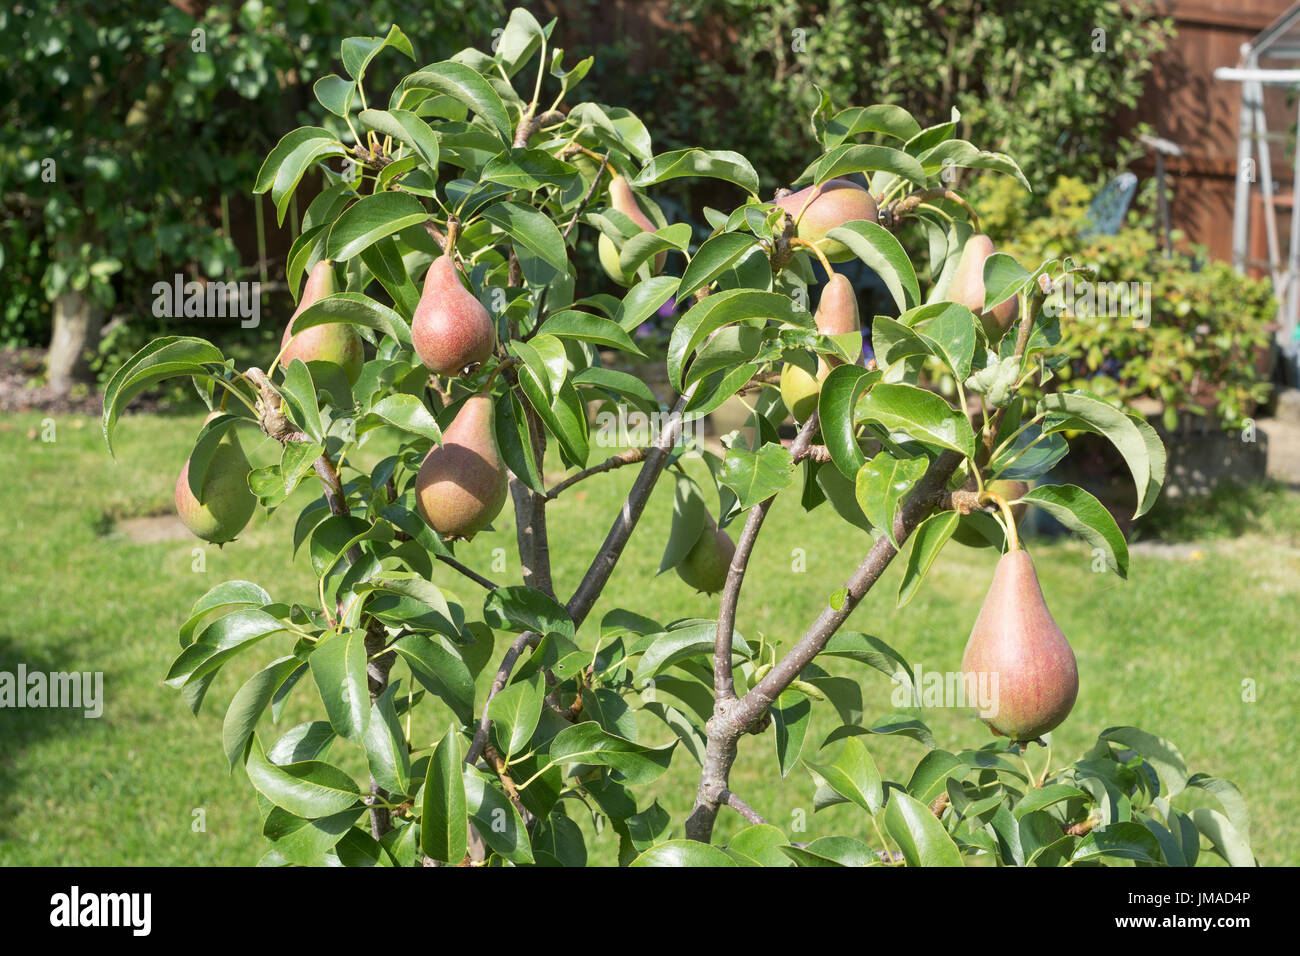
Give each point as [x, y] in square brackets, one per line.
[76, 333]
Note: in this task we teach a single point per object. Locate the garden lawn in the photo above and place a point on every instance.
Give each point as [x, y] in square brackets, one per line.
[1200, 646]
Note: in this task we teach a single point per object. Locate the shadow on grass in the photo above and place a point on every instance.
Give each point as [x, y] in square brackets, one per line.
[23, 727]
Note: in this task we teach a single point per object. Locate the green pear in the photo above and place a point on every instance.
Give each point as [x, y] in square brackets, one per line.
[1011, 490]
[830, 205]
[450, 329]
[623, 200]
[226, 504]
[1022, 654]
[336, 342]
[967, 288]
[462, 483]
[705, 565]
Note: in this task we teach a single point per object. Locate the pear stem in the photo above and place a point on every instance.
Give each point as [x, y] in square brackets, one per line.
[821, 256]
[992, 497]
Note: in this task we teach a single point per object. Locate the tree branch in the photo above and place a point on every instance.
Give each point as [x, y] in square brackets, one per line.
[724, 687]
[468, 572]
[731, 719]
[741, 807]
[629, 457]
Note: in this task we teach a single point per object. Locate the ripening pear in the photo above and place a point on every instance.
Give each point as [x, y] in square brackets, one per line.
[1016, 639]
[462, 483]
[967, 288]
[450, 329]
[705, 565]
[622, 199]
[226, 503]
[834, 203]
[837, 314]
[1011, 490]
[336, 342]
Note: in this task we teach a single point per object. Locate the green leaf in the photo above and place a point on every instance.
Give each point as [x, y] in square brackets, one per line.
[757, 477]
[587, 743]
[335, 93]
[305, 842]
[310, 789]
[518, 609]
[405, 412]
[299, 391]
[683, 853]
[1127, 841]
[532, 230]
[881, 118]
[515, 712]
[227, 595]
[670, 647]
[1086, 516]
[249, 702]
[520, 39]
[163, 358]
[407, 128]
[441, 671]
[876, 246]
[387, 753]
[219, 641]
[853, 774]
[444, 818]
[710, 163]
[466, 86]
[353, 308]
[571, 324]
[790, 714]
[883, 484]
[1227, 842]
[1164, 758]
[759, 845]
[496, 819]
[370, 219]
[927, 541]
[1229, 797]
[338, 665]
[835, 412]
[714, 257]
[920, 413]
[1040, 798]
[1075, 410]
[288, 144]
[845, 160]
[920, 836]
[357, 52]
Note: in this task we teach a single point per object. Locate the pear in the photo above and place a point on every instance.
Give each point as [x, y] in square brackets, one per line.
[450, 329]
[462, 483]
[623, 200]
[834, 203]
[705, 565]
[837, 314]
[967, 288]
[336, 342]
[1016, 639]
[1011, 490]
[226, 502]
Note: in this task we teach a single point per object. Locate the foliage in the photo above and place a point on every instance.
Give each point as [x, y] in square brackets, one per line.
[128, 123]
[457, 159]
[1198, 348]
[1071, 68]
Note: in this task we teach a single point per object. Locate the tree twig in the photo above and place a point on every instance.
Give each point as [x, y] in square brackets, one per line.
[629, 457]
[723, 681]
[468, 572]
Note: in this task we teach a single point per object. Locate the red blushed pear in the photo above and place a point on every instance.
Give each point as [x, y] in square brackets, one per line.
[462, 483]
[967, 288]
[1016, 643]
[837, 314]
[622, 199]
[830, 205]
[336, 342]
[450, 330]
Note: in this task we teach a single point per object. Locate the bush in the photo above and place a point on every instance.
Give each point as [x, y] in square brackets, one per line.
[1196, 350]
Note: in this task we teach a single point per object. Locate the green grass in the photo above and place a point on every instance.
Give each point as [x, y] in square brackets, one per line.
[1168, 650]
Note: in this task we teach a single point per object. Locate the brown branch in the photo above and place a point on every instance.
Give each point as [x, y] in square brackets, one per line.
[733, 718]
[524, 640]
[498, 765]
[724, 688]
[740, 806]
[900, 209]
[591, 191]
[629, 457]
[468, 572]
